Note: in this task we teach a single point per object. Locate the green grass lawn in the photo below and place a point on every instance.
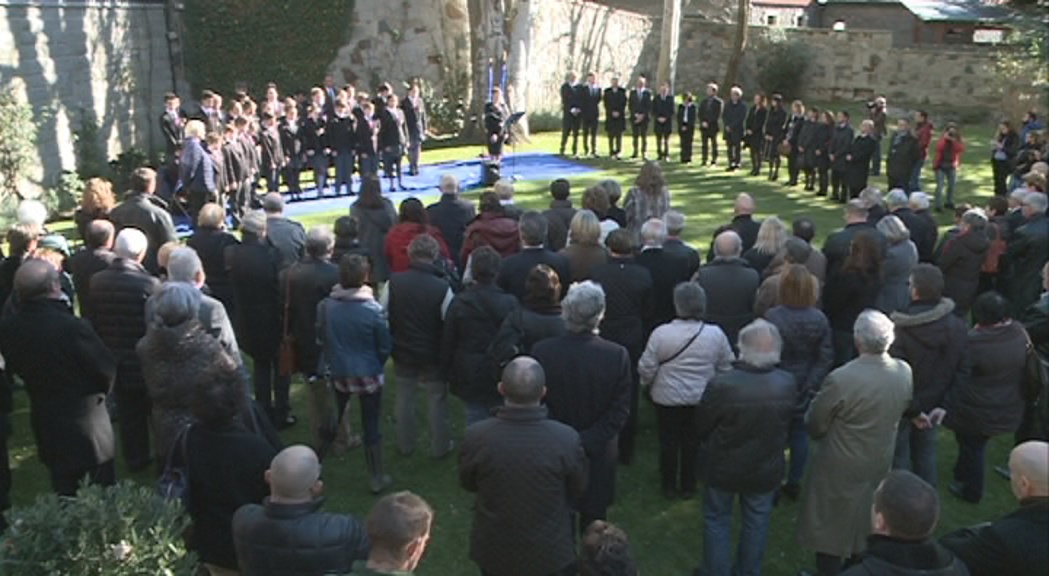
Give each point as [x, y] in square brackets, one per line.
[666, 536]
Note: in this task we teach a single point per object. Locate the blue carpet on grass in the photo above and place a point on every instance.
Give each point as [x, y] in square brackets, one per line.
[523, 166]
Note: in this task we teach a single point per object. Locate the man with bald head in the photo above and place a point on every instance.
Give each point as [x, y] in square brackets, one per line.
[67, 372]
[743, 224]
[731, 286]
[525, 469]
[96, 255]
[1016, 543]
[288, 533]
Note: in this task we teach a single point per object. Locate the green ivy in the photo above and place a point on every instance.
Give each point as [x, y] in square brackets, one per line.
[252, 42]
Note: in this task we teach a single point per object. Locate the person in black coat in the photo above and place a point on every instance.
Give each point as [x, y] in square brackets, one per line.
[615, 117]
[1005, 146]
[1026, 253]
[142, 210]
[743, 224]
[525, 470]
[118, 315]
[639, 102]
[416, 121]
[743, 421]
[859, 157]
[289, 532]
[316, 147]
[291, 141]
[628, 315]
[393, 136]
[253, 268]
[1015, 543]
[287, 236]
[667, 270]
[536, 319]
[663, 111]
[495, 116]
[367, 122]
[342, 136]
[451, 215]
[591, 98]
[853, 283]
[821, 150]
[837, 154]
[588, 388]
[96, 255]
[687, 116]
[272, 160]
[754, 134]
[796, 125]
[171, 123]
[571, 113]
[210, 240]
[515, 270]
[838, 244]
[710, 123]
[731, 286]
[735, 116]
[904, 155]
[775, 133]
[473, 320]
[67, 384]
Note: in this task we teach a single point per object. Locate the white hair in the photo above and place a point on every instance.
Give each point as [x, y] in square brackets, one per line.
[184, 265]
[32, 212]
[653, 232]
[897, 198]
[449, 184]
[873, 332]
[504, 189]
[583, 307]
[728, 244]
[675, 222]
[131, 243]
[919, 201]
[1037, 202]
[760, 344]
[254, 222]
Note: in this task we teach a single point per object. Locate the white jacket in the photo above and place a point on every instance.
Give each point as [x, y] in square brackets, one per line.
[682, 381]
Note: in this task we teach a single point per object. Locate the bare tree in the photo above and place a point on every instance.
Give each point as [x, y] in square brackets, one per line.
[669, 40]
[740, 45]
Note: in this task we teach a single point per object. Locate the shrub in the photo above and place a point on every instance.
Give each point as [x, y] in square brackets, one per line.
[90, 156]
[17, 143]
[782, 67]
[446, 112]
[64, 197]
[124, 165]
[121, 530]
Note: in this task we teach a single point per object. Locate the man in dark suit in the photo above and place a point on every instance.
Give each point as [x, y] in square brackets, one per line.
[287, 236]
[743, 223]
[330, 96]
[559, 215]
[836, 247]
[663, 112]
[667, 270]
[904, 155]
[451, 215]
[735, 116]
[588, 388]
[591, 96]
[731, 286]
[525, 469]
[640, 105]
[67, 384]
[675, 246]
[95, 256]
[571, 113]
[142, 210]
[533, 227]
[171, 123]
[710, 122]
[1027, 253]
[415, 120]
[686, 126]
[615, 117]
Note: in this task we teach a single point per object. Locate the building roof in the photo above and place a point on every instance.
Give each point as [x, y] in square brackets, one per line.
[781, 3]
[957, 11]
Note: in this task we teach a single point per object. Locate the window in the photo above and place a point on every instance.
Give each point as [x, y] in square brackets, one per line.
[988, 36]
[839, 26]
[771, 19]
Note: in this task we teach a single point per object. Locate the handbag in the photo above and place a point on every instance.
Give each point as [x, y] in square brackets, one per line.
[173, 483]
[785, 148]
[287, 360]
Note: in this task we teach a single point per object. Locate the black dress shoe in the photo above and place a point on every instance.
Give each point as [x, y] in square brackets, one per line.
[958, 490]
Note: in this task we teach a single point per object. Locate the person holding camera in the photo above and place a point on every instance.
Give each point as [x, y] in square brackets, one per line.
[948, 155]
[877, 111]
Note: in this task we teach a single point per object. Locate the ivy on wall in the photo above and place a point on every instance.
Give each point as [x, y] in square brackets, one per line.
[229, 43]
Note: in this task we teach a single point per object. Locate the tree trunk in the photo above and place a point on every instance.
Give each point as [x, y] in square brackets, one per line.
[487, 49]
[742, 30]
[522, 20]
[669, 40]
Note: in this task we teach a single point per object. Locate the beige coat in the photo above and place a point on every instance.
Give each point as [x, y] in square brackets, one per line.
[852, 422]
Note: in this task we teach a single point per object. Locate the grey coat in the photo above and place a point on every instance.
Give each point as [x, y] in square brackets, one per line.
[895, 292]
[852, 422]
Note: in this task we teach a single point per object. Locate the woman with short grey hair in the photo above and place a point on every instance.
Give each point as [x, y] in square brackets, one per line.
[680, 359]
[583, 308]
[900, 259]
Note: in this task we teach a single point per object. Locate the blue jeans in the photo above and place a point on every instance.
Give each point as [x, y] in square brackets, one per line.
[799, 451]
[946, 174]
[717, 536]
[916, 451]
[916, 177]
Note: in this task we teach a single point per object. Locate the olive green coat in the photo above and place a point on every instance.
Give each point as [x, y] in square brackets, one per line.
[852, 422]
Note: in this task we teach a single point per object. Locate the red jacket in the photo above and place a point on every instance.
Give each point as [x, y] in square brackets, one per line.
[924, 136]
[398, 239]
[956, 153]
[491, 229]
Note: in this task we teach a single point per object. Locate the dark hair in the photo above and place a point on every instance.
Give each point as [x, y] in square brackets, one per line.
[371, 192]
[533, 226]
[596, 199]
[354, 270]
[804, 228]
[844, 113]
[168, 97]
[98, 236]
[560, 189]
[864, 256]
[923, 114]
[142, 179]
[927, 282]
[606, 552]
[489, 202]
[961, 209]
[542, 288]
[484, 264]
[909, 505]
[412, 210]
[218, 397]
[620, 241]
[346, 227]
[990, 308]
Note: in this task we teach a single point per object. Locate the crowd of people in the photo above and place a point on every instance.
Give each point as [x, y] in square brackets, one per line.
[554, 329]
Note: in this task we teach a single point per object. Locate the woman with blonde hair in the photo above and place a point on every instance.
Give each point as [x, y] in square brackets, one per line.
[772, 238]
[97, 201]
[585, 250]
[649, 198]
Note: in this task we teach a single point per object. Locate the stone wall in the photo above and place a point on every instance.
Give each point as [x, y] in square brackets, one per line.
[109, 59]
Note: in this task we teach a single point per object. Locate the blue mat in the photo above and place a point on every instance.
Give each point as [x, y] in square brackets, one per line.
[524, 166]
